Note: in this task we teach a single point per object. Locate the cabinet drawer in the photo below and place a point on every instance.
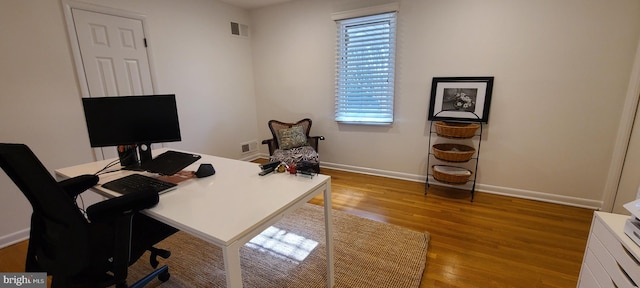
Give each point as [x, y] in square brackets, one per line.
[610, 265]
[587, 280]
[593, 274]
[627, 261]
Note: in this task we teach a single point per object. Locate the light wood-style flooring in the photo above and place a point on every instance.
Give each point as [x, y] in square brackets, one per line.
[496, 241]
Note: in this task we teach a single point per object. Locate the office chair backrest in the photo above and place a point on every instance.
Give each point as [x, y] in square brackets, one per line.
[58, 229]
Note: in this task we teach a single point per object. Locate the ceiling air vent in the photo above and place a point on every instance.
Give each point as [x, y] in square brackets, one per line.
[238, 29]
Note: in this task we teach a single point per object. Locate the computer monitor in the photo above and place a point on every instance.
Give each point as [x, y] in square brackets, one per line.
[132, 120]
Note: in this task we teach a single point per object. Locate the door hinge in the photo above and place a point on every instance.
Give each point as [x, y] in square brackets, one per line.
[145, 42]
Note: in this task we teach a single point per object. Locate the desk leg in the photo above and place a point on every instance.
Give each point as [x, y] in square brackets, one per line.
[231, 255]
[328, 226]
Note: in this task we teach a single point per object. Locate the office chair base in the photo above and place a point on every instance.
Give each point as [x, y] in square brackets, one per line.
[162, 273]
[155, 252]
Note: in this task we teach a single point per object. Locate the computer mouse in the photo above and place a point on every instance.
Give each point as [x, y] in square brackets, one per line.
[205, 170]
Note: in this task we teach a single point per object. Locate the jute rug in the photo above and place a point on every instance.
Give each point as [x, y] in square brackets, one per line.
[367, 254]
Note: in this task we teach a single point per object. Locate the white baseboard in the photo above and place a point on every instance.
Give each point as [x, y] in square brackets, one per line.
[253, 156]
[541, 196]
[374, 172]
[512, 192]
[14, 238]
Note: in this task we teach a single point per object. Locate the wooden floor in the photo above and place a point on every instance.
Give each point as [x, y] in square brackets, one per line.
[496, 241]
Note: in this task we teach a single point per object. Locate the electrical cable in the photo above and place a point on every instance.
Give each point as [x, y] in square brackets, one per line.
[111, 164]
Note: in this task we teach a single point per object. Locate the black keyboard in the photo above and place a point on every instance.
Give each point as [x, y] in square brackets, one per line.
[170, 162]
[137, 182]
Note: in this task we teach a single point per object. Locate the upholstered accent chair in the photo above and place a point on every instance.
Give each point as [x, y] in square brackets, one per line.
[292, 144]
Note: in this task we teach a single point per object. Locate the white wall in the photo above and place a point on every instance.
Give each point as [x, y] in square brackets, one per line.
[39, 100]
[195, 57]
[561, 70]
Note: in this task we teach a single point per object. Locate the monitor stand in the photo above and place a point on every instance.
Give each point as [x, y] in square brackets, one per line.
[144, 152]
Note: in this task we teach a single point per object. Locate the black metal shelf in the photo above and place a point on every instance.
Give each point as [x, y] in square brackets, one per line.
[431, 180]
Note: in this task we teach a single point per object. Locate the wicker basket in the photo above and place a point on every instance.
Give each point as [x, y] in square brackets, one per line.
[456, 130]
[453, 152]
[451, 174]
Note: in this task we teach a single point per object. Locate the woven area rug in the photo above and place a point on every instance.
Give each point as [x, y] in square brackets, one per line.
[367, 254]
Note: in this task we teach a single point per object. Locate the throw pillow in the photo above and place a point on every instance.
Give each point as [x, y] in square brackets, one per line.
[291, 137]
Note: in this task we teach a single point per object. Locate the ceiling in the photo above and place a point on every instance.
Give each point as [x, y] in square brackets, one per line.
[252, 4]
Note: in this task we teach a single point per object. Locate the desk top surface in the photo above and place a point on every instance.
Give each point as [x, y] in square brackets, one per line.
[223, 207]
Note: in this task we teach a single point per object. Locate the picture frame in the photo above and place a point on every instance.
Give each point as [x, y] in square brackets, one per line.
[460, 99]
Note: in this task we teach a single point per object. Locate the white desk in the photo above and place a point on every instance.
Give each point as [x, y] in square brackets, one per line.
[231, 207]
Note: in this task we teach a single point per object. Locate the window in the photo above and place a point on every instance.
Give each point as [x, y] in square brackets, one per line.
[365, 69]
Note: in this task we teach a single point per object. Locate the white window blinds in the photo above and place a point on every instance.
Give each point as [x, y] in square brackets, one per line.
[365, 69]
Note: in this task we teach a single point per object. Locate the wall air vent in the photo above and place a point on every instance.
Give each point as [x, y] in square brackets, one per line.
[248, 147]
[240, 30]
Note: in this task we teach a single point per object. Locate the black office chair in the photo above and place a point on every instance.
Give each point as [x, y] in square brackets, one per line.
[83, 252]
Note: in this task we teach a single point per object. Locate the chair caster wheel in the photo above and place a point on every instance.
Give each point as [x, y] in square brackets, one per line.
[155, 252]
[164, 276]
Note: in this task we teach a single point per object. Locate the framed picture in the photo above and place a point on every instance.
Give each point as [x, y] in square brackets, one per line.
[460, 98]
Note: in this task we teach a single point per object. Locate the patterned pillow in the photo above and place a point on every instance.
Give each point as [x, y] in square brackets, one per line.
[291, 137]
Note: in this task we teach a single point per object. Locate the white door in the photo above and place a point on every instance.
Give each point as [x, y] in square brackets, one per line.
[630, 177]
[113, 55]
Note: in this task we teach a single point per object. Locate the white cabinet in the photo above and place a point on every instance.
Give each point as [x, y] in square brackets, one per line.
[611, 258]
